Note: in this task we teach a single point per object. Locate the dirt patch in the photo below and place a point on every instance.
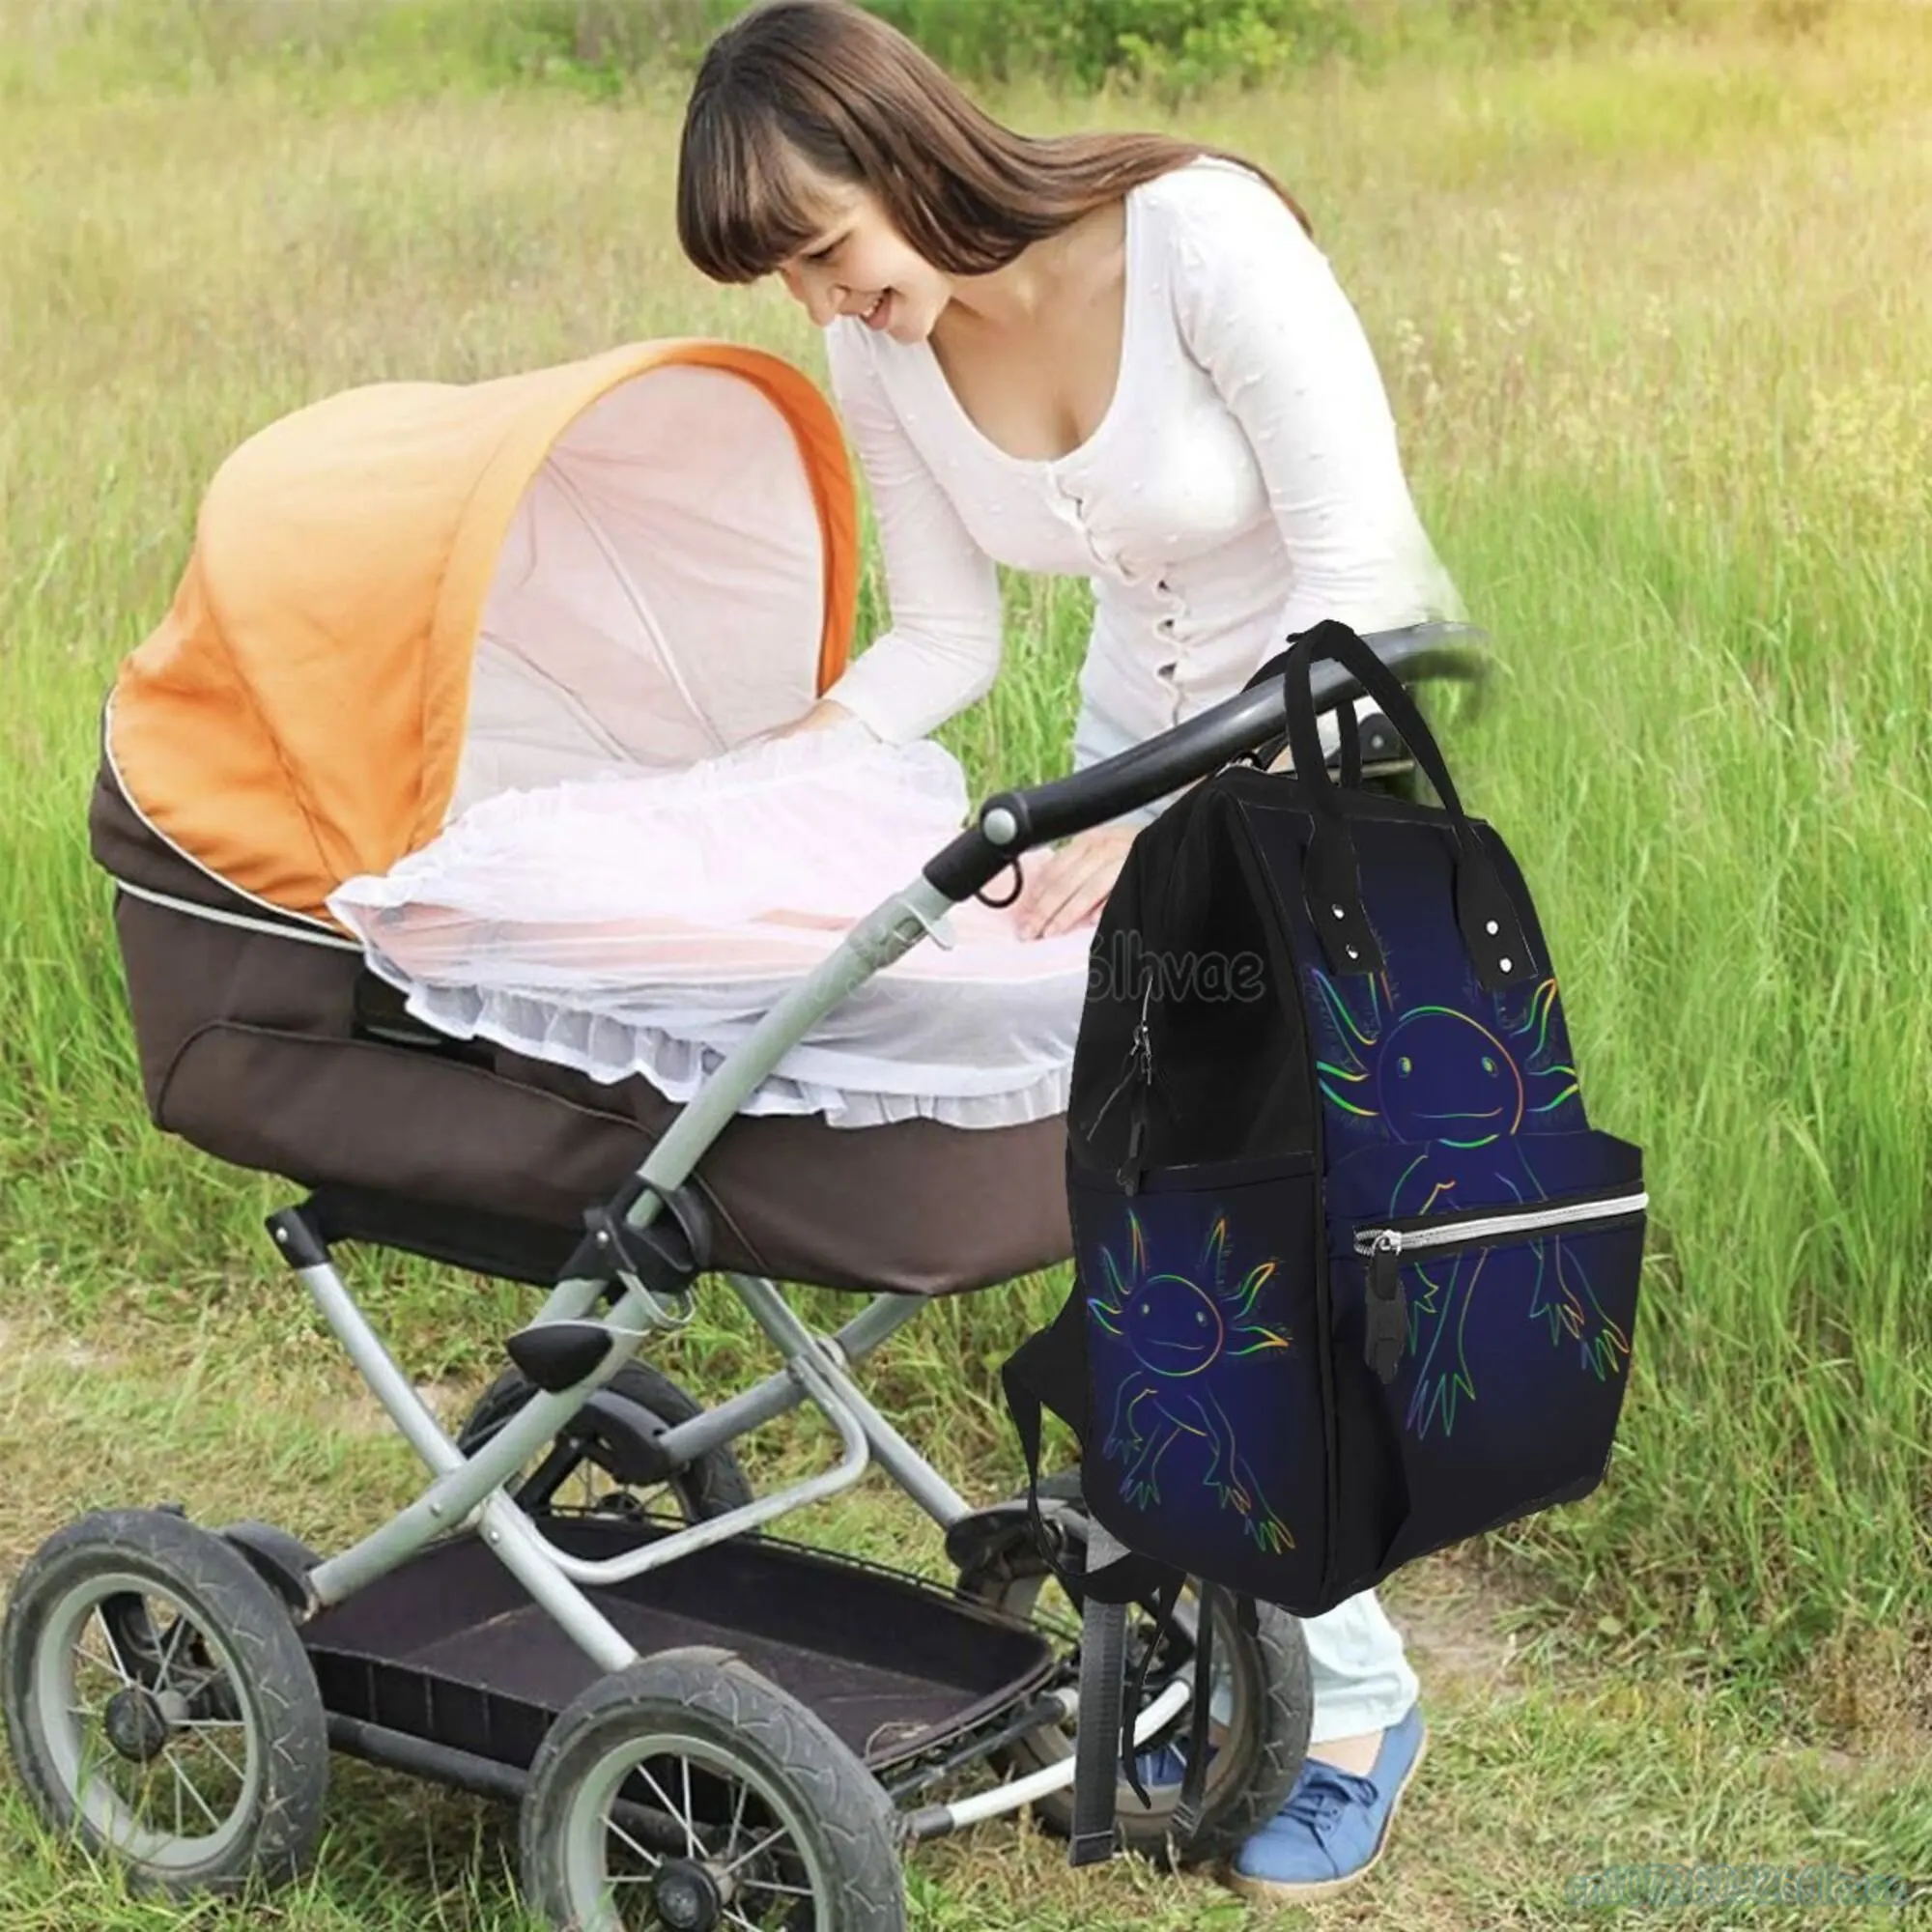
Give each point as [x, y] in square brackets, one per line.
[1450, 1619]
[22, 1349]
[450, 1401]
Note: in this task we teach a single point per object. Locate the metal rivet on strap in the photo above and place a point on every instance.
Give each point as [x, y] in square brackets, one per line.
[1336, 910]
[1504, 964]
[1491, 927]
[1352, 954]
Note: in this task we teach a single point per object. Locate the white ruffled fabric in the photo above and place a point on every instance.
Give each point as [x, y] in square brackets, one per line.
[643, 924]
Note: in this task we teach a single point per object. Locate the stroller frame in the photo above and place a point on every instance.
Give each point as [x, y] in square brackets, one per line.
[568, 1353]
[469, 1491]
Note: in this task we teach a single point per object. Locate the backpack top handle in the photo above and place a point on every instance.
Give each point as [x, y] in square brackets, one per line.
[1492, 928]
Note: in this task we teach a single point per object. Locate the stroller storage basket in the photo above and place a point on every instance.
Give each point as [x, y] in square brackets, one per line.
[450, 1650]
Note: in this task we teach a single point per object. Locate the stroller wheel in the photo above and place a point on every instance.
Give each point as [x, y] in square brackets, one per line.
[607, 1460]
[1261, 1708]
[161, 1708]
[690, 1792]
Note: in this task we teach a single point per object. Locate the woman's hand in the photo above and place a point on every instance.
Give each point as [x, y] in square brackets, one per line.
[1070, 888]
[824, 715]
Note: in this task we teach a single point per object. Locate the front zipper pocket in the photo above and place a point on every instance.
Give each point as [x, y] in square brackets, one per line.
[1483, 1302]
[1387, 1241]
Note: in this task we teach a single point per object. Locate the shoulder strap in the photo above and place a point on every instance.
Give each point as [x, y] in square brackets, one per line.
[1123, 1578]
[1194, 1783]
[1096, 1740]
[1111, 1578]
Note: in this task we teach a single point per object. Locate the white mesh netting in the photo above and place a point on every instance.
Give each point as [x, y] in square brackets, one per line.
[642, 924]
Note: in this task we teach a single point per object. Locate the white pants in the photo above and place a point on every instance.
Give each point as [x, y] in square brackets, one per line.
[1361, 1675]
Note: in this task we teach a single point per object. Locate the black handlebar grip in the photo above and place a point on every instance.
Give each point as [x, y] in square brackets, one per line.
[1013, 822]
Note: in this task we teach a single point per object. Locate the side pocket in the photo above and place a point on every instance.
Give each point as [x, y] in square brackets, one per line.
[1205, 1446]
[1514, 1313]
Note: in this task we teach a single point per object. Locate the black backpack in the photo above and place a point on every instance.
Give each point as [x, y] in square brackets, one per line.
[1354, 1276]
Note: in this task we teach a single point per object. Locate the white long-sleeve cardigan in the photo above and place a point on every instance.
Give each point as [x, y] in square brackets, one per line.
[1244, 482]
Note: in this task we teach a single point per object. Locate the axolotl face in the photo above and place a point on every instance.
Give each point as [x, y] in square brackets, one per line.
[1172, 1325]
[1443, 1077]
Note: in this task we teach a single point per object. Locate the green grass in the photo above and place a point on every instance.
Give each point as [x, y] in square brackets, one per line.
[1654, 320]
[1549, 1761]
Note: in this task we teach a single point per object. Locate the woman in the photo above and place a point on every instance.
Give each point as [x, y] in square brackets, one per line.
[1113, 355]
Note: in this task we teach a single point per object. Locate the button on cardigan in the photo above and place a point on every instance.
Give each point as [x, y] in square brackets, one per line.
[1244, 483]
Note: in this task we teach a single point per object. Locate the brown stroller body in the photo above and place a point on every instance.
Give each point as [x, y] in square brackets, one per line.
[246, 773]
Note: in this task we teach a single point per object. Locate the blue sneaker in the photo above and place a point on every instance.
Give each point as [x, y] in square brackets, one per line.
[1334, 1825]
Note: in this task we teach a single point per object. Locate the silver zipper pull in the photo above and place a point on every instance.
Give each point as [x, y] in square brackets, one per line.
[1388, 1309]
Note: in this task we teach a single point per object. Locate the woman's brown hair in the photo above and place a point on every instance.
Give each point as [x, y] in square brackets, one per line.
[826, 82]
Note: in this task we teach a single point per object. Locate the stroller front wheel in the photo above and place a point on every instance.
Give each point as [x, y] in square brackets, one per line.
[161, 1708]
[688, 1791]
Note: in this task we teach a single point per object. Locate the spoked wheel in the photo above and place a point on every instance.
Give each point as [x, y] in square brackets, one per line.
[689, 1792]
[160, 1705]
[1260, 1712]
[606, 1460]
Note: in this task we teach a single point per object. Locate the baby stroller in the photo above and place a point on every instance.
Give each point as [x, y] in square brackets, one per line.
[412, 595]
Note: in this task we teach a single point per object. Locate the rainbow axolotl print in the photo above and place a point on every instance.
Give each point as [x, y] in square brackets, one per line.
[1179, 1328]
[1471, 1096]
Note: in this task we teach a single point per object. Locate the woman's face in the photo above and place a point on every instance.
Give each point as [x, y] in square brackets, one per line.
[859, 263]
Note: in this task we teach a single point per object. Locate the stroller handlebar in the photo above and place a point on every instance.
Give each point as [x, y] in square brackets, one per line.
[1013, 822]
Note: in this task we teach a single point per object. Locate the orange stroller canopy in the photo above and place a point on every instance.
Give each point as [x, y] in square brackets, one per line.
[415, 595]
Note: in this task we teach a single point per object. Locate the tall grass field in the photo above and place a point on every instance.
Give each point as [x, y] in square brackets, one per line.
[1656, 315]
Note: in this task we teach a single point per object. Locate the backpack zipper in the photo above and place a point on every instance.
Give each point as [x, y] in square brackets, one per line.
[1386, 1245]
[1137, 1118]
[1140, 1076]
